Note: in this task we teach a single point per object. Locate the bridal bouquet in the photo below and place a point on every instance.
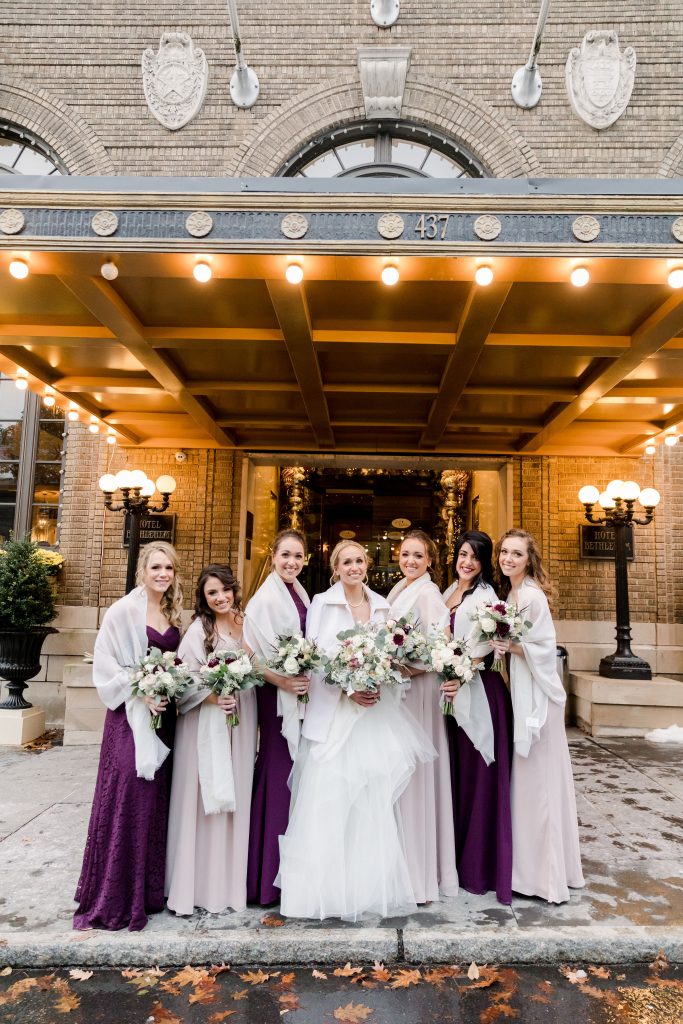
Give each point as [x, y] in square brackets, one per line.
[294, 655]
[498, 620]
[450, 659]
[404, 642]
[160, 674]
[361, 663]
[228, 672]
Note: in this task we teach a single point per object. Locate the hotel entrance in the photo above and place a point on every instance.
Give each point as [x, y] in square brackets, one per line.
[374, 503]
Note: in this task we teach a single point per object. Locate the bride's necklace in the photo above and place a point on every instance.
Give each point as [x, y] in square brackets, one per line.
[360, 603]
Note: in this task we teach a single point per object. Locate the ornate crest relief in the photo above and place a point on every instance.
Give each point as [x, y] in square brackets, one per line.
[600, 78]
[174, 79]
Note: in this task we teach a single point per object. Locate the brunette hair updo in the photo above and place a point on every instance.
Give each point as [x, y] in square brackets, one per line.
[431, 551]
[224, 573]
[287, 534]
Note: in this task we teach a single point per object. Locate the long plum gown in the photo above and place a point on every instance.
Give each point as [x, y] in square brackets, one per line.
[271, 795]
[122, 878]
[481, 796]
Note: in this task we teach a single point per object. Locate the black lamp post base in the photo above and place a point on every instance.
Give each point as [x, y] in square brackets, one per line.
[621, 666]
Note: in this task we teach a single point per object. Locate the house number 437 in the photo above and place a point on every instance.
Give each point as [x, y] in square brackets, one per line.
[432, 225]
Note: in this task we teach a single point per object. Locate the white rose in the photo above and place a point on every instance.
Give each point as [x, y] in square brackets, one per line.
[291, 666]
[488, 625]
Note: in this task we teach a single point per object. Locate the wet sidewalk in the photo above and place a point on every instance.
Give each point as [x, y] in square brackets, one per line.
[630, 802]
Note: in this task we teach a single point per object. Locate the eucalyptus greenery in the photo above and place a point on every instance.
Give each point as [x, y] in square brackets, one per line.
[26, 598]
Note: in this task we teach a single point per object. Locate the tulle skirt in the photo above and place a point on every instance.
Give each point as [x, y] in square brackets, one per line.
[343, 854]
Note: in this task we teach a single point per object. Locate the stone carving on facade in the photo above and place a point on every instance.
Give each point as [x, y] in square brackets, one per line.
[199, 223]
[599, 78]
[391, 225]
[586, 228]
[104, 222]
[294, 225]
[12, 222]
[175, 79]
[487, 227]
[383, 71]
[677, 229]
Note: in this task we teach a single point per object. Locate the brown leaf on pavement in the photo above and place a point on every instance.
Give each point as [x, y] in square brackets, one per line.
[217, 969]
[403, 979]
[660, 963]
[352, 1013]
[496, 1011]
[215, 1018]
[368, 984]
[5, 971]
[486, 977]
[288, 1001]
[473, 971]
[319, 975]
[68, 1000]
[17, 990]
[76, 974]
[189, 976]
[437, 976]
[239, 996]
[545, 991]
[578, 977]
[271, 921]
[599, 972]
[673, 983]
[257, 977]
[204, 992]
[379, 972]
[347, 971]
[163, 1016]
[286, 981]
[131, 972]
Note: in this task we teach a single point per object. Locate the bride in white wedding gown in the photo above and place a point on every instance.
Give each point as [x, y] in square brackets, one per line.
[343, 853]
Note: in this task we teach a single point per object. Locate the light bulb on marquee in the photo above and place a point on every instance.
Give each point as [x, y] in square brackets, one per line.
[483, 276]
[202, 272]
[675, 278]
[650, 449]
[109, 271]
[19, 269]
[580, 277]
[390, 275]
[671, 440]
[21, 383]
[294, 273]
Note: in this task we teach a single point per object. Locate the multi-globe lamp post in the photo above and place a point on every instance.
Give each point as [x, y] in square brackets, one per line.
[136, 493]
[617, 503]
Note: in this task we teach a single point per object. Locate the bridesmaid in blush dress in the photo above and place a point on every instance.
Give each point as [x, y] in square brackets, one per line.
[479, 734]
[122, 878]
[546, 860]
[426, 805]
[279, 606]
[213, 765]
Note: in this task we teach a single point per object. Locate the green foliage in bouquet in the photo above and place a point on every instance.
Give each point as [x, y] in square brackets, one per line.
[26, 598]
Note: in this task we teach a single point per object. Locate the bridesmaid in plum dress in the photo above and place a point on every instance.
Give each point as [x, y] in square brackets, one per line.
[279, 606]
[213, 765]
[480, 735]
[122, 878]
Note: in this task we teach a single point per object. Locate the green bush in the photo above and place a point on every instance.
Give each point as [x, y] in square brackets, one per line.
[26, 598]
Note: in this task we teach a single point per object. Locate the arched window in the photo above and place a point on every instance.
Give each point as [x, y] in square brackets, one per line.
[379, 149]
[22, 152]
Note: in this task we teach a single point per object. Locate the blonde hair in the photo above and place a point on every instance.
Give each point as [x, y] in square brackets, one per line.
[172, 600]
[336, 554]
[534, 568]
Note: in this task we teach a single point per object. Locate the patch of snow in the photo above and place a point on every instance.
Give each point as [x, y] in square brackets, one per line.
[674, 734]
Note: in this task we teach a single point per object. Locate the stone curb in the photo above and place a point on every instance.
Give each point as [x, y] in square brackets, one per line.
[590, 944]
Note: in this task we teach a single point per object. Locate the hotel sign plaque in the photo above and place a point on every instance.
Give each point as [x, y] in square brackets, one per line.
[598, 542]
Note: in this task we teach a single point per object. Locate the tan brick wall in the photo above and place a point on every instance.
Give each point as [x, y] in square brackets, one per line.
[72, 68]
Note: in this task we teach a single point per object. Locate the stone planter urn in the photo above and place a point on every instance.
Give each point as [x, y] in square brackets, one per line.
[20, 661]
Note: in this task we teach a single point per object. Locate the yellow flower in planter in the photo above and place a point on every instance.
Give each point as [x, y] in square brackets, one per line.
[52, 560]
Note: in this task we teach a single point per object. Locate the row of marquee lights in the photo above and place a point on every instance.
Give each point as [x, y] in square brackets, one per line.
[294, 273]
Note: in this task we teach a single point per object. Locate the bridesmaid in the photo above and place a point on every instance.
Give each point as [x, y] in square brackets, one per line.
[480, 735]
[426, 805]
[546, 860]
[278, 606]
[208, 825]
[122, 878]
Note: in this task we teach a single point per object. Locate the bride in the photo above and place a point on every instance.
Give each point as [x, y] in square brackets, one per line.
[343, 853]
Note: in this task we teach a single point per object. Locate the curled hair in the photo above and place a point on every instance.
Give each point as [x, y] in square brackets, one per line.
[336, 554]
[202, 611]
[172, 599]
[287, 534]
[431, 551]
[482, 546]
[534, 568]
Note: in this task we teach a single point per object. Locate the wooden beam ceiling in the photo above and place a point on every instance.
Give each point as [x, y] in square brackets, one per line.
[109, 308]
[478, 317]
[291, 309]
[648, 338]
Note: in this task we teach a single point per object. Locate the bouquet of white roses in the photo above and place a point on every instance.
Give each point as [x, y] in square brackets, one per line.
[160, 674]
[499, 620]
[403, 641]
[450, 659]
[294, 655]
[228, 672]
[361, 664]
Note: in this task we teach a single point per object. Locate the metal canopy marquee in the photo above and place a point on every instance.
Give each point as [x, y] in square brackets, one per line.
[341, 361]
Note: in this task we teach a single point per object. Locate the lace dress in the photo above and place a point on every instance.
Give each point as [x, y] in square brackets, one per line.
[122, 878]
